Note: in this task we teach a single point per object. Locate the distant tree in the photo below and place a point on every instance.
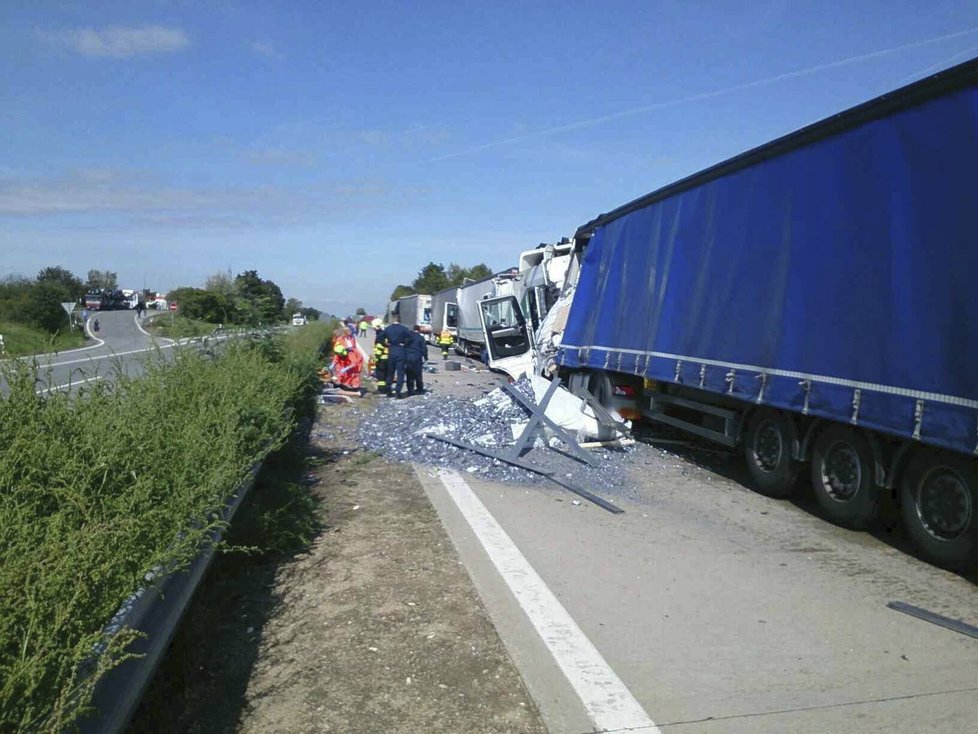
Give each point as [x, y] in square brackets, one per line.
[401, 291]
[311, 314]
[431, 279]
[69, 280]
[102, 279]
[478, 272]
[42, 307]
[455, 274]
[203, 305]
[361, 311]
[220, 282]
[257, 299]
[293, 305]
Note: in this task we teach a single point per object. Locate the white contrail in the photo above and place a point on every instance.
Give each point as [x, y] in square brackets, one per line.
[704, 95]
[940, 64]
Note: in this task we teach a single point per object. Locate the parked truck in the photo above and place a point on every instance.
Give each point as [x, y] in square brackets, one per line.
[415, 312]
[810, 303]
[444, 314]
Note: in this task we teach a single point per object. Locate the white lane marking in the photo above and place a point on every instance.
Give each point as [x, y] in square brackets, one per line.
[109, 355]
[68, 385]
[140, 327]
[607, 700]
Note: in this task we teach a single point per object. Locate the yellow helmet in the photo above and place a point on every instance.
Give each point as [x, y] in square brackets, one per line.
[339, 348]
[377, 324]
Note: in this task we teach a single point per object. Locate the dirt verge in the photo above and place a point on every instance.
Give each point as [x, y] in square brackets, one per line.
[376, 627]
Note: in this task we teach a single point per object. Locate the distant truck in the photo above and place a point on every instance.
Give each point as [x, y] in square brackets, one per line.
[298, 319]
[415, 312]
[811, 303]
[444, 314]
[105, 299]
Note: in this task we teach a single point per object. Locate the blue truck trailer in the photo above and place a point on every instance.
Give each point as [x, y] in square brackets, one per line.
[813, 301]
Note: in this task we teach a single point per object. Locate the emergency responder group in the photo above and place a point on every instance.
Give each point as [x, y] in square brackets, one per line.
[398, 357]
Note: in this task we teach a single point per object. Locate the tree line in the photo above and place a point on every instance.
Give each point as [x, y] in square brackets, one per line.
[36, 301]
[246, 299]
[435, 277]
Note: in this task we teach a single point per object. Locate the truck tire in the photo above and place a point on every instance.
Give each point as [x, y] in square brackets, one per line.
[939, 503]
[843, 477]
[767, 450]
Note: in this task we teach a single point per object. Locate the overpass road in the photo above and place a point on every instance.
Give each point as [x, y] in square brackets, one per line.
[120, 344]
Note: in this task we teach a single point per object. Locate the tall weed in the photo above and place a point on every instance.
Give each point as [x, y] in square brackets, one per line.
[126, 476]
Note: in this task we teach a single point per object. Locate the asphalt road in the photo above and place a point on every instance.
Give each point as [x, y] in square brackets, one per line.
[121, 344]
[709, 608]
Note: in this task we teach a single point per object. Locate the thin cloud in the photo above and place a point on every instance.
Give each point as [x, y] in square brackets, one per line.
[119, 42]
[591, 122]
[281, 157]
[266, 49]
[108, 193]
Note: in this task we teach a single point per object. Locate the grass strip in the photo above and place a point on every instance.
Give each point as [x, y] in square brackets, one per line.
[20, 340]
[126, 476]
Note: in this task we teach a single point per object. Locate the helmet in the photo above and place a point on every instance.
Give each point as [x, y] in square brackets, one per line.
[339, 348]
[377, 324]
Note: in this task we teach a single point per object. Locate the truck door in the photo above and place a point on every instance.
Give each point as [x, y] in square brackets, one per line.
[507, 338]
[451, 317]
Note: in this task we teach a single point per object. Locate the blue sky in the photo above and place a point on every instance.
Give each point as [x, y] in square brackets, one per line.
[338, 147]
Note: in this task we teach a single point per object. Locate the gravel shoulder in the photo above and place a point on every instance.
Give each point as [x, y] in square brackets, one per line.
[375, 628]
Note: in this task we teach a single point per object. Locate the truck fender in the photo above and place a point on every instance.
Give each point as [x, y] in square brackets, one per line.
[900, 457]
[805, 449]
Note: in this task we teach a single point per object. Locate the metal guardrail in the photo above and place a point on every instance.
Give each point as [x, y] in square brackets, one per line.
[155, 610]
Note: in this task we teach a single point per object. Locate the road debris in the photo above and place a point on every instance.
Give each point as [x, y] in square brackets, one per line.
[404, 430]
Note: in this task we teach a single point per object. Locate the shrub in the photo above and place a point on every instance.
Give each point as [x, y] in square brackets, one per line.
[89, 502]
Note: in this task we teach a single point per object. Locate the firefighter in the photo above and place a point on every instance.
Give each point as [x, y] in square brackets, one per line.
[381, 355]
[398, 337]
[445, 342]
[416, 350]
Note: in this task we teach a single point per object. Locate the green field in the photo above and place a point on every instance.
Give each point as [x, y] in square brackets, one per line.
[91, 498]
[20, 340]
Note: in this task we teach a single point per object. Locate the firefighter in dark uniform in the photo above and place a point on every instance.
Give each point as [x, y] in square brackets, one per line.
[416, 351]
[380, 356]
[398, 337]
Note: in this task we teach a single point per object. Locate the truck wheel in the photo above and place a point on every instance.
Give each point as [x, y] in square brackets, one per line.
[939, 502]
[842, 477]
[767, 448]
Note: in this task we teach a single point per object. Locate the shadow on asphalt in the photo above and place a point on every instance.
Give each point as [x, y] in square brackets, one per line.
[202, 682]
[729, 464]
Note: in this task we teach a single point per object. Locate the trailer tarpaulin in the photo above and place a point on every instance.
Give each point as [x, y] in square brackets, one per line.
[839, 279]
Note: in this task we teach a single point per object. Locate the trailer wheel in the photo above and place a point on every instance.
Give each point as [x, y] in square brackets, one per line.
[939, 502]
[842, 477]
[767, 449]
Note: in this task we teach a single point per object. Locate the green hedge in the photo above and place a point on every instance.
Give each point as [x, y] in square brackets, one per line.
[97, 489]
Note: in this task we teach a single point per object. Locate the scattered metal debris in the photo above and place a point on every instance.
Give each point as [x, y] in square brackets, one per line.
[955, 625]
[509, 458]
[402, 430]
